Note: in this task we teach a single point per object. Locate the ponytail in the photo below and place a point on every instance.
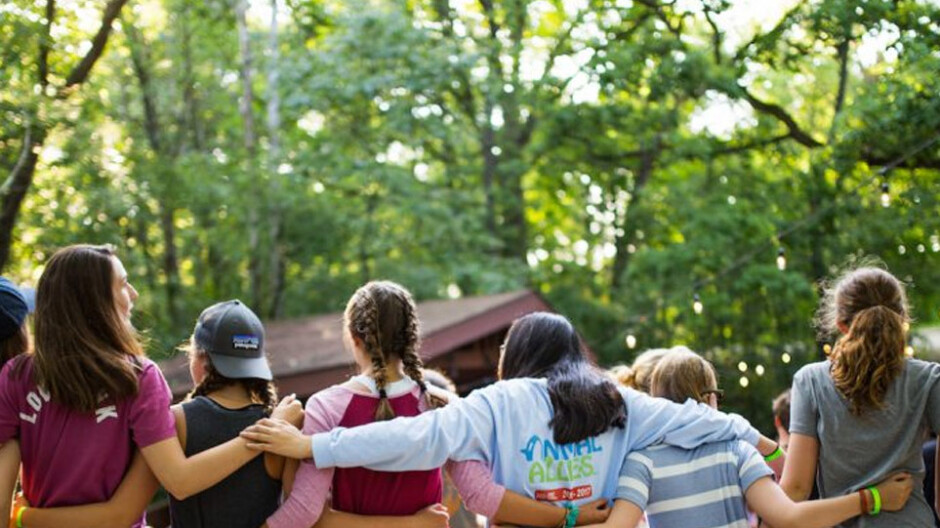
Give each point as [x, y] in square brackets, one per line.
[869, 306]
[869, 357]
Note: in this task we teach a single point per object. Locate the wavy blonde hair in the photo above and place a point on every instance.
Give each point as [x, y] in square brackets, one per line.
[869, 306]
[637, 375]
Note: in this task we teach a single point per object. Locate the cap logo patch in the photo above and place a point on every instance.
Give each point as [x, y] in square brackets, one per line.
[246, 342]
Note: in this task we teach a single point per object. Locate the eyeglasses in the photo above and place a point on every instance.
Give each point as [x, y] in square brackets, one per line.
[719, 394]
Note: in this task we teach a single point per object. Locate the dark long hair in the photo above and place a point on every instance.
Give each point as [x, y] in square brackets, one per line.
[82, 343]
[585, 400]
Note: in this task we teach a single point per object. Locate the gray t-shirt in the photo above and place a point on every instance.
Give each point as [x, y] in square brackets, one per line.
[858, 451]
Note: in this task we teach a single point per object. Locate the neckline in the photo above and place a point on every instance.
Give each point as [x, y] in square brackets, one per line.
[392, 390]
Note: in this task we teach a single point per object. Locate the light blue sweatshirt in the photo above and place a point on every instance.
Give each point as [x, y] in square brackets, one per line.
[506, 426]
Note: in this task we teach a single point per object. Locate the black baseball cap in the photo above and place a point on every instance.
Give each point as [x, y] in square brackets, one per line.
[14, 308]
[233, 336]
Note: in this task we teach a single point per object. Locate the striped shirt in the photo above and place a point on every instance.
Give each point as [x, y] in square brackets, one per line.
[695, 488]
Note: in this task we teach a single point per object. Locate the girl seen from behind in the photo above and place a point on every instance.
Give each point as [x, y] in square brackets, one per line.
[868, 407]
[381, 329]
[709, 485]
[233, 389]
[556, 428]
[88, 396]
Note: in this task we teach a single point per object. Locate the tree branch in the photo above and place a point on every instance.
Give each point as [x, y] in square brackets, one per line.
[44, 45]
[98, 43]
[777, 111]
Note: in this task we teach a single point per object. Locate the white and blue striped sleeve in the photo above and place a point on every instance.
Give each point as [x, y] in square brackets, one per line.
[636, 477]
[463, 430]
[751, 466]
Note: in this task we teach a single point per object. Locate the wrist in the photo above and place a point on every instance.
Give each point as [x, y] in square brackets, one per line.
[18, 514]
[774, 455]
[767, 447]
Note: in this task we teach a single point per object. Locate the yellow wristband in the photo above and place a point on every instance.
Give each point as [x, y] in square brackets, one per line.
[19, 516]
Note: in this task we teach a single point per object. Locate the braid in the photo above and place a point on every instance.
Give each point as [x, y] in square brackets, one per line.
[410, 337]
[264, 391]
[365, 323]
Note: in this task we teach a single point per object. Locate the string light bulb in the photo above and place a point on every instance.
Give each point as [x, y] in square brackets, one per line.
[885, 194]
[781, 259]
[909, 351]
[827, 349]
[697, 305]
[631, 341]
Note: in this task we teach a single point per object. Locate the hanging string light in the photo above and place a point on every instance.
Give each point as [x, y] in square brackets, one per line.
[885, 194]
[697, 305]
[781, 259]
[631, 341]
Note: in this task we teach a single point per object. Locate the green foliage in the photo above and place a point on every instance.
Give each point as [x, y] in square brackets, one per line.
[618, 157]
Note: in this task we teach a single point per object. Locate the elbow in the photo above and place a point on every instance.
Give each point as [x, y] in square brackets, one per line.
[797, 492]
[179, 490]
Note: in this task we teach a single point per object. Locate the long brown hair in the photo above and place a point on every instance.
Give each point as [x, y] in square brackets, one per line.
[871, 305]
[683, 374]
[82, 342]
[261, 391]
[383, 316]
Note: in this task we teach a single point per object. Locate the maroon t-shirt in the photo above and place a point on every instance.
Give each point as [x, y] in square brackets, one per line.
[71, 457]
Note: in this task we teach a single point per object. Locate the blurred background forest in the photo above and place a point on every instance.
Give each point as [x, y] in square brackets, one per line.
[624, 158]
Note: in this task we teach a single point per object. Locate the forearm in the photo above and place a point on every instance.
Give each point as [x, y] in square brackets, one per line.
[123, 509]
[516, 509]
[819, 513]
[9, 472]
[183, 477]
[101, 515]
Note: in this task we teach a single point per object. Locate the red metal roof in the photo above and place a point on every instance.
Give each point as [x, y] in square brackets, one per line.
[301, 347]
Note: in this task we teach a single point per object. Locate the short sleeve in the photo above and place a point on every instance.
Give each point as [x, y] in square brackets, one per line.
[9, 410]
[933, 397]
[151, 419]
[804, 412]
[751, 466]
[636, 476]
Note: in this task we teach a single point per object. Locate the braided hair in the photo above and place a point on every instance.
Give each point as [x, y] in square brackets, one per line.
[383, 316]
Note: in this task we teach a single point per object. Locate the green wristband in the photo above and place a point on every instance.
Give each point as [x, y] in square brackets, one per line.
[572, 518]
[19, 517]
[876, 498]
[775, 455]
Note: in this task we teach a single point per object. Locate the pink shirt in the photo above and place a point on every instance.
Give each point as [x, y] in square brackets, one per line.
[326, 410]
[74, 458]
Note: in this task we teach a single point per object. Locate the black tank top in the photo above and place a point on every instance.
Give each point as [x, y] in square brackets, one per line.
[245, 498]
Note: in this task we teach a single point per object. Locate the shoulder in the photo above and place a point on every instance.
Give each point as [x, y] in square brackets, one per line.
[438, 392]
[920, 368]
[146, 368]
[17, 369]
[813, 371]
[326, 408]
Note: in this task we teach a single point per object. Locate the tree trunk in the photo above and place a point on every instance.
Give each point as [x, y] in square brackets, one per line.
[17, 185]
[276, 266]
[20, 178]
[166, 172]
[628, 226]
[255, 271]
